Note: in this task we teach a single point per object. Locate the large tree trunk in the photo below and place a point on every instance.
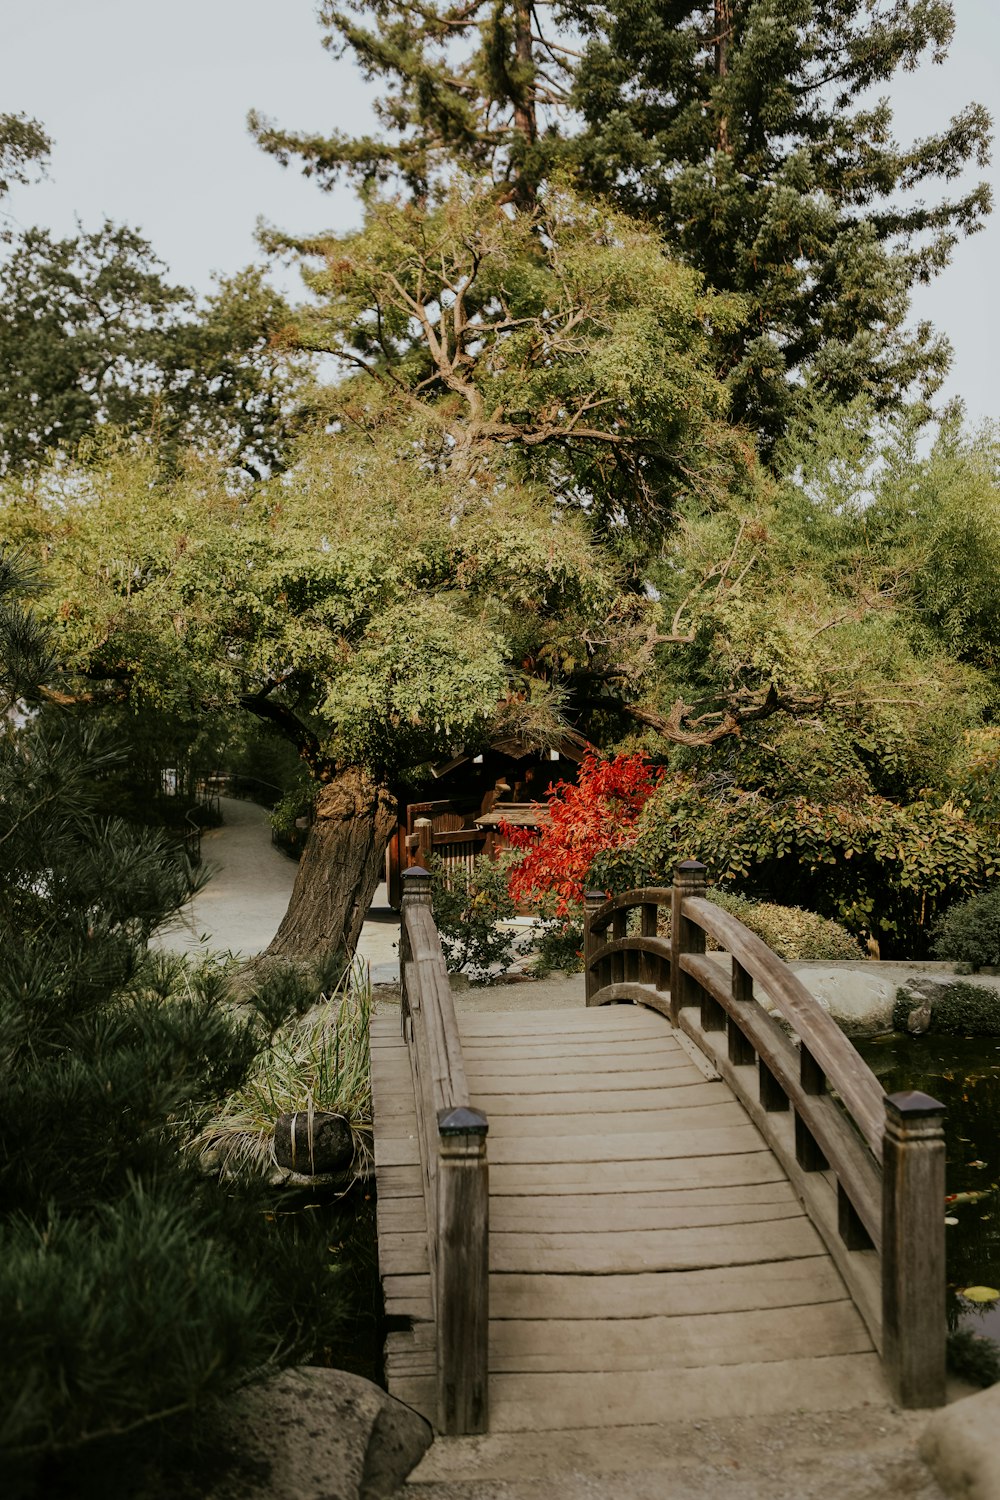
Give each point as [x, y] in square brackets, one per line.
[341, 865]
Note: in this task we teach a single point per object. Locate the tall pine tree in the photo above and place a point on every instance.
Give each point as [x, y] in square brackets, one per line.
[749, 131]
[472, 84]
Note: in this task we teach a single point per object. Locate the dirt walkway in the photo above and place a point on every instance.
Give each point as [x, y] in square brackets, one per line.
[241, 907]
[866, 1454]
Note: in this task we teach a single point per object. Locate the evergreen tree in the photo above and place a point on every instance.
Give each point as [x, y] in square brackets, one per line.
[469, 84]
[748, 131]
[120, 1302]
[92, 334]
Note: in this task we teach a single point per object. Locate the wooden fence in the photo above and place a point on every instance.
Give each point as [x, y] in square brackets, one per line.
[452, 1138]
[868, 1167]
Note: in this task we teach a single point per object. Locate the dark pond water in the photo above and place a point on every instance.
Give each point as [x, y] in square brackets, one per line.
[964, 1073]
[334, 1295]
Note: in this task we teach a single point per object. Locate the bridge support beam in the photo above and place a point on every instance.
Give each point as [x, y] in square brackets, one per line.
[913, 1249]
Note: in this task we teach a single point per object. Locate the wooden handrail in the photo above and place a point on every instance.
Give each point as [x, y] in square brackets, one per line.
[868, 1168]
[453, 1160]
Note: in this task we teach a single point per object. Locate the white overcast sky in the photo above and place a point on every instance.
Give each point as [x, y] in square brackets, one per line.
[147, 107]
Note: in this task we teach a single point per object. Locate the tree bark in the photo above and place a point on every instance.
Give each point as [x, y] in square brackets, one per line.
[723, 34]
[341, 865]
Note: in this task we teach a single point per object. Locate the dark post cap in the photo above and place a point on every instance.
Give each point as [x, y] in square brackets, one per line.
[414, 872]
[913, 1105]
[595, 896]
[691, 866]
[462, 1121]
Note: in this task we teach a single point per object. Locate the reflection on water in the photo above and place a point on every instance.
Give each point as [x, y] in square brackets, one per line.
[964, 1073]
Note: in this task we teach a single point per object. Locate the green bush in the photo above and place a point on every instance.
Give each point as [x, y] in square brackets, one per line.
[559, 945]
[969, 932]
[120, 1318]
[959, 1010]
[295, 804]
[468, 906]
[134, 1289]
[791, 932]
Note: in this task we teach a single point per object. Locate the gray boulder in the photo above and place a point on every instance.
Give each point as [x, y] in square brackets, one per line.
[959, 1446]
[316, 1434]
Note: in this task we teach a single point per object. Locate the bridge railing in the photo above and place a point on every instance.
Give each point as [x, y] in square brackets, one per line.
[868, 1167]
[453, 1164]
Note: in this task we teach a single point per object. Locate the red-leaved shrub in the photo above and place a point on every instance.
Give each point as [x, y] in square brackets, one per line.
[596, 813]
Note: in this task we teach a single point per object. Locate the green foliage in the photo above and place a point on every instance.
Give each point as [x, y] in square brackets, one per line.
[359, 604]
[23, 144]
[550, 360]
[756, 138]
[973, 1357]
[93, 335]
[867, 862]
[132, 1287]
[468, 909]
[288, 810]
[558, 945]
[969, 931]
[941, 513]
[118, 1319]
[789, 931]
[751, 136]
[460, 86]
[958, 1010]
[84, 331]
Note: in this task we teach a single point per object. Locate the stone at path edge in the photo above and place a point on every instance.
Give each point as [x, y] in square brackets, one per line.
[316, 1434]
[959, 1446]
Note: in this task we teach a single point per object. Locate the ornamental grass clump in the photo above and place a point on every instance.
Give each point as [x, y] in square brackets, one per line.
[316, 1061]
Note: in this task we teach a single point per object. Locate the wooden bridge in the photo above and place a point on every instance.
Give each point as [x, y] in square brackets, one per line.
[690, 1208]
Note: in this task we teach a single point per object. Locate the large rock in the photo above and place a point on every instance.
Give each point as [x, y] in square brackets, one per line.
[959, 1446]
[870, 997]
[313, 1434]
[311, 1142]
[859, 997]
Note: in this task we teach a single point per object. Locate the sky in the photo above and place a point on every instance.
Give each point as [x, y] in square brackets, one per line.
[147, 106]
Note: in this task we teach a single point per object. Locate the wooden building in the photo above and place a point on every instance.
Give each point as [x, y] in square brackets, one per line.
[454, 817]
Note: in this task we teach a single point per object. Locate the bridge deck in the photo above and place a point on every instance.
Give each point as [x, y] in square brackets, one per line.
[649, 1260]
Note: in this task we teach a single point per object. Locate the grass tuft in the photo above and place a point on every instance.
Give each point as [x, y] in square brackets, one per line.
[318, 1061]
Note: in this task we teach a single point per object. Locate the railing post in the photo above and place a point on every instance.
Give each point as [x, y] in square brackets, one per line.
[648, 966]
[415, 890]
[591, 942]
[424, 830]
[913, 1249]
[741, 1051]
[689, 880]
[463, 1310]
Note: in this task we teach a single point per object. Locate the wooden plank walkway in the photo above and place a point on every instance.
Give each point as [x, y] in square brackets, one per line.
[649, 1260]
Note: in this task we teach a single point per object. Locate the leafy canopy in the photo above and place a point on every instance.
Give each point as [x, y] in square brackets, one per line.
[358, 603]
[748, 132]
[559, 346]
[92, 334]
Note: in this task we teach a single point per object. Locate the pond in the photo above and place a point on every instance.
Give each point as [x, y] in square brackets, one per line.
[964, 1073]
